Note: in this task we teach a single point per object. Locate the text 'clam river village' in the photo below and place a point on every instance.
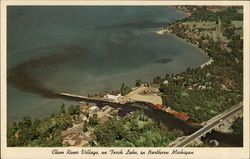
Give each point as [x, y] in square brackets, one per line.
[200, 106]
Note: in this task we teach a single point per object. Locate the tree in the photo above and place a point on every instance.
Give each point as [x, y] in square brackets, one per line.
[125, 89]
[77, 110]
[238, 126]
[71, 110]
[62, 110]
[138, 82]
[74, 110]
[85, 128]
[91, 143]
[93, 120]
[157, 80]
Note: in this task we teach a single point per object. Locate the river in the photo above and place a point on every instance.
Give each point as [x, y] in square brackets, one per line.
[169, 121]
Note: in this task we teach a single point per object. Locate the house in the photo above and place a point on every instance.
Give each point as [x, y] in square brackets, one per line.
[202, 87]
[106, 111]
[83, 117]
[158, 107]
[105, 107]
[165, 82]
[113, 96]
[94, 109]
[179, 115]
[85, 109]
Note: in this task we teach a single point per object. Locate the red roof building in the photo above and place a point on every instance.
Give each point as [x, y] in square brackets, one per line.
[159, 107]
[179, 115]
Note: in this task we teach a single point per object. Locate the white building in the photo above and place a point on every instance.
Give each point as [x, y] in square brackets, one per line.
[165, 82]
[113, 97]
[94, 109]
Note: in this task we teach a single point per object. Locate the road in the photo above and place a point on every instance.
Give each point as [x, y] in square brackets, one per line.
[210, 126]
[219, 35]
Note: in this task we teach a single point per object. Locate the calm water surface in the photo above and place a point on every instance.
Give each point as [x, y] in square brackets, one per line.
[86, 50]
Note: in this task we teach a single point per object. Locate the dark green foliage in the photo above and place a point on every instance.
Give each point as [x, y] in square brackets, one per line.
[138, 82]
[230, 14]
[85, 129]
[202, 13]
[157, 80]
[125, 89]
[74, 110]
[71, 110]
[93, 120]
[62, 110]
[91, 143]
[77, 110]
[238, 126]
[111, 131]
[42, 133]
[223, 79]
[135, 131]
[85, 126]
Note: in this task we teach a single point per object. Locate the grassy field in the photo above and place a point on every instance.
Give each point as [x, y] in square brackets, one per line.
[237, 24]
[200, 30]
[240, 11]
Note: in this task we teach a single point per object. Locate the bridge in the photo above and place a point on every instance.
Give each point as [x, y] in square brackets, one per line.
[212, 124]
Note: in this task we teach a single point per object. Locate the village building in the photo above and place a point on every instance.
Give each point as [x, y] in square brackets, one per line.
[202, 87]
[105, 112]
[83, 117]
[165, 82]
[94, 109]
[113, 96]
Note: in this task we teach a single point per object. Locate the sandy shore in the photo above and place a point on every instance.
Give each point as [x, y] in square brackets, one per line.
[160, 32]
[207, 63]
[183, 12]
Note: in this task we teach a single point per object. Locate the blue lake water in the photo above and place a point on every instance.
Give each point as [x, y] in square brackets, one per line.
[86, 50]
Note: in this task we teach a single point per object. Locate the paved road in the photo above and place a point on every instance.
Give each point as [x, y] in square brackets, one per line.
[210, 126]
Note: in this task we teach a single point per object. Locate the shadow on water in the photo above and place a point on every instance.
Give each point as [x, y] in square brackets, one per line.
[21, 77]
[224, 139]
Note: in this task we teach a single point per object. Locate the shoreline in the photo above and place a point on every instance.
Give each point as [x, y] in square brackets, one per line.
[209, 62]
[180, 30]
[183, 12]
[166, 32]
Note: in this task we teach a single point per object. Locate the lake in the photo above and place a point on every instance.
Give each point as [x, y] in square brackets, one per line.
[86, 50]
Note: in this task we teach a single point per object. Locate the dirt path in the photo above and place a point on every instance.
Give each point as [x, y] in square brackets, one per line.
[134, 95]
[219, 35]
